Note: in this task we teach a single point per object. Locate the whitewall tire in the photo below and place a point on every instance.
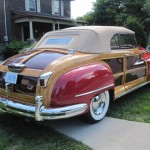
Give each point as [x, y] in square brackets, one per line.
[98, 107]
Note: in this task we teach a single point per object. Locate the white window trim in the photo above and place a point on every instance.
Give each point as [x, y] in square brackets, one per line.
[27, 5]
[62, 8]
[38, 6]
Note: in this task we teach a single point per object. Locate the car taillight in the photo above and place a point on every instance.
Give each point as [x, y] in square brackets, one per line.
[44, 79]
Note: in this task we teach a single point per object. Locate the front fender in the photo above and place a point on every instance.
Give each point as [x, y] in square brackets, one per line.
[81, 84]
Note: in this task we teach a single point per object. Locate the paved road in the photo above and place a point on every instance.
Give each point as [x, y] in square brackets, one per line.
[109, 134]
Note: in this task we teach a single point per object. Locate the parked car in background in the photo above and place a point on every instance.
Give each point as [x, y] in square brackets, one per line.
[74, 71]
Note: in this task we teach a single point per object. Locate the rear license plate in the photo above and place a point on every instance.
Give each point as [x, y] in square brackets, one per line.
[11, 77]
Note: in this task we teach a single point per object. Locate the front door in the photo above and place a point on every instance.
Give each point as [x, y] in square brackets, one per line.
[135, 73]
[132, 72]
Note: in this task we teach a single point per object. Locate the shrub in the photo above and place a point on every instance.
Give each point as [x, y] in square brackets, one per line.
[134, 24]
[13, 48]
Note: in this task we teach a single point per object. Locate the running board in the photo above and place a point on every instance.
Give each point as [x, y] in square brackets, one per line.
[131, 90]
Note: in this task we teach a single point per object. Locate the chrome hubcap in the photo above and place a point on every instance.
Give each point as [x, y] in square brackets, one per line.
[98, 103]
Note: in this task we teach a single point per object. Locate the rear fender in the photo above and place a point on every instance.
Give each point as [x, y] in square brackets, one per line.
[81, 84]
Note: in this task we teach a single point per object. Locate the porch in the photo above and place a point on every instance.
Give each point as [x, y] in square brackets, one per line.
[31, 26]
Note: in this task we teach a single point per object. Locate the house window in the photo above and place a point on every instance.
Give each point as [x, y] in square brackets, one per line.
[30, 5]
[58, 7]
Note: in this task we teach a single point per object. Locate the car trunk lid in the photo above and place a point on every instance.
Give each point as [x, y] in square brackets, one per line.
[35, 62]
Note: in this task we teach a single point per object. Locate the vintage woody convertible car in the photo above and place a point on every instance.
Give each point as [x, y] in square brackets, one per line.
[74, 71]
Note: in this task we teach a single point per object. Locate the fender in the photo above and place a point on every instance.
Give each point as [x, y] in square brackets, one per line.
[81, 84]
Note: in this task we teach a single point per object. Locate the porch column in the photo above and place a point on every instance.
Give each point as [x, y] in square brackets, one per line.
[31, 29]
[58, 26]
[22, 32]
[53, 26]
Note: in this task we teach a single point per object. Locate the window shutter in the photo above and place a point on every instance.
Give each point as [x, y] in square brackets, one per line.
[27, 5]
[38, 6]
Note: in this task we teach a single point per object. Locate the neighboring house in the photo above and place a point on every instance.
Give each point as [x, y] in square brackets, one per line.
[30, 19]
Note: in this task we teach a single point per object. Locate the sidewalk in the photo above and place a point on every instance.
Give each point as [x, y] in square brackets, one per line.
[109, 134]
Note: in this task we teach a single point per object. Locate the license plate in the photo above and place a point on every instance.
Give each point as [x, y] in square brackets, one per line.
[11, 77]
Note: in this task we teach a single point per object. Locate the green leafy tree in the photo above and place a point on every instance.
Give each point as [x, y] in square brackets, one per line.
[116, 12]
[147, 6]
[88, 17]
[105, 12]
[134, 24]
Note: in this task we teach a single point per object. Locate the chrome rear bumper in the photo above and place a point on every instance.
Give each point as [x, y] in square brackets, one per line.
[39, 112]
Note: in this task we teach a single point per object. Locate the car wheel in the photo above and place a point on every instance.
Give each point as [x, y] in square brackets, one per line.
[98, 107]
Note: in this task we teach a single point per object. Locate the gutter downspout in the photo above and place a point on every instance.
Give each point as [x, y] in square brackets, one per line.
[5, 18]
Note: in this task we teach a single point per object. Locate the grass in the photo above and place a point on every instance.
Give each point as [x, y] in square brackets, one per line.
[17, 134]
[134, 106]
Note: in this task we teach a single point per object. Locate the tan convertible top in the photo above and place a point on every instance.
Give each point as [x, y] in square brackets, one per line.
[89, 39]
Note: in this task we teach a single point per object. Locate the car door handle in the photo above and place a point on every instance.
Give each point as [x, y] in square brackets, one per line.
[139, 62]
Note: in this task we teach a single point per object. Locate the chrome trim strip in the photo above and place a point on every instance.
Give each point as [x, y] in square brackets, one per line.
[38, 100]
[133, 89]
[17, 67]
[45, 114]
[100, 89]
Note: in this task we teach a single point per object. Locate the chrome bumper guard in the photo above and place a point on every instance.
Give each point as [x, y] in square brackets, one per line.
[39, 112]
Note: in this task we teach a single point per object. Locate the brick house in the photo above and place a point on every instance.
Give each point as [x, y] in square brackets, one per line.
[30, 19]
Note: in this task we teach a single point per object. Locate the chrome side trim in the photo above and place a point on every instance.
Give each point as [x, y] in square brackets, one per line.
[43, 113]
[100, 89]
[133, 89]
[139, 63]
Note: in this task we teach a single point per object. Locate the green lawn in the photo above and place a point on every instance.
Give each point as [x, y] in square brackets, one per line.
[134, 106]
[17, 134]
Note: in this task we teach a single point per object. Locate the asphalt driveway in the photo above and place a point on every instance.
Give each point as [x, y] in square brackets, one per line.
[109, 134]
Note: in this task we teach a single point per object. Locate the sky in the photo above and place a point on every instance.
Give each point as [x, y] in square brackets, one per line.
[80, 7]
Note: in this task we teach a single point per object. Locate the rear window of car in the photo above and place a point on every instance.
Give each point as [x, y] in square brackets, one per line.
[58, 41]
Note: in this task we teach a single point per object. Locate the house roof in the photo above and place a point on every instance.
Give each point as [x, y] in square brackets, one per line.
[22, 14]
[90, 39]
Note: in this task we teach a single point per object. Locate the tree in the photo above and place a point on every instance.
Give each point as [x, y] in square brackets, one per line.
[134, 24]
[88, 17]
[105, 11]
[147, 6]
[116, 12]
